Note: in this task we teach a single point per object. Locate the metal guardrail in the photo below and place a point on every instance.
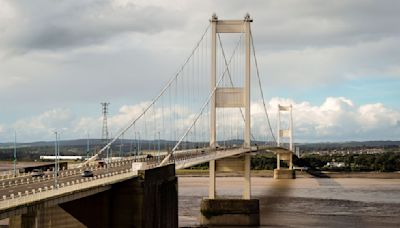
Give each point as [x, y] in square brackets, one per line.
[46, 192]
[14, 181]
[62, 174]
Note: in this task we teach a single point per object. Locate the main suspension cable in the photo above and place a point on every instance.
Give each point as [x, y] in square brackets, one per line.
[259, 84]
[174, 78]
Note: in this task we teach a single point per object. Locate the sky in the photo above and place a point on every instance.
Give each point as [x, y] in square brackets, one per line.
[336, 62]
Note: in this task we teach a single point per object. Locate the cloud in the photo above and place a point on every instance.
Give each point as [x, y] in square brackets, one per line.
[339, 119]
[42, 127]
[336, 119]
[328, 66]
[70, 24]
[312, 23]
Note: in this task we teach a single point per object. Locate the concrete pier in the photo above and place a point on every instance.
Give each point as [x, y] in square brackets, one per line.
[284, 174]
[230, 212]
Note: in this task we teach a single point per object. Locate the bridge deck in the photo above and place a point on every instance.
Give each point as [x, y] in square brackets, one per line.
[18, 193]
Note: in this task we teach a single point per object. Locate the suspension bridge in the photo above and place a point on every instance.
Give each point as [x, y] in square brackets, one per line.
[202, 114]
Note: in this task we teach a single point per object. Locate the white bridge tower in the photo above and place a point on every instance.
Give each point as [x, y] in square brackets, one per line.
[228, 97]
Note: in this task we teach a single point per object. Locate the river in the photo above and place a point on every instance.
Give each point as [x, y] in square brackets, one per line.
[303, 202]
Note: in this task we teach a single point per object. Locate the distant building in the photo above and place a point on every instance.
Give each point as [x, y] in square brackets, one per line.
[72, 158]
[336, 164]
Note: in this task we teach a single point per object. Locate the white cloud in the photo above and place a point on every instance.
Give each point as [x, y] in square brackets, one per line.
[42, 127]
[339, 119]
[336, 119]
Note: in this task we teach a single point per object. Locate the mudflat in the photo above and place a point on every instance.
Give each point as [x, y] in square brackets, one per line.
[9, 165]
[303, 202]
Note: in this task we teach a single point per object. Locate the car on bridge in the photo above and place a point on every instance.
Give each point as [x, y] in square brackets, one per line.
[101, 164]
[37, 173]
[87, 173]
[304, 168]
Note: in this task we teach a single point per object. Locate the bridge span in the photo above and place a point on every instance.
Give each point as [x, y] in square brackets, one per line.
[23, 197]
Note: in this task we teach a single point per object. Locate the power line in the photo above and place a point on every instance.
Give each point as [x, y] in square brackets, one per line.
[104, 132]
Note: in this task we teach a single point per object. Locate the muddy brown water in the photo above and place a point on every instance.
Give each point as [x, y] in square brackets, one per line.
[303, 202]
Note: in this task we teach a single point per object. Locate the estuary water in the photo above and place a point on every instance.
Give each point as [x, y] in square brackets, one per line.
[303, 202]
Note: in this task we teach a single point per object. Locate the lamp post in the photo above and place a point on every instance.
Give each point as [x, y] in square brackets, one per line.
[56, 148]
[158, 153]
[121, 144]
[139, 143]
[87, 146]
[15, 153]
[108, 151]
[136, 147]
[131, 147]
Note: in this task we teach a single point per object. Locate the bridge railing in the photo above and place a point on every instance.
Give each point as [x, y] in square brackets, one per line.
[42, 193]
[27, 179]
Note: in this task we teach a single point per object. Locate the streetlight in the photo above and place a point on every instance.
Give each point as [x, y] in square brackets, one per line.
[139, 143]
[131, 147]
[158, 153]
[56, 153]
[108, 151]
[87, 145]
[136, 148]
[121, 144]
[15, 153]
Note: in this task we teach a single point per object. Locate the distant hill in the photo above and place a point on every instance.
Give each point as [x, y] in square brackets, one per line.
[350, 144]
[83, 142]
[32, 151]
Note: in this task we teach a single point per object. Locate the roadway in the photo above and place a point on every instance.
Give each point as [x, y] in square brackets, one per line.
[23, 184]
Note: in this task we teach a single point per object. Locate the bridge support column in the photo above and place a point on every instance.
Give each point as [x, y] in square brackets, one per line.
[211, 187]
[230, 212]
[284, 173]
[44, 216]
[247, 180]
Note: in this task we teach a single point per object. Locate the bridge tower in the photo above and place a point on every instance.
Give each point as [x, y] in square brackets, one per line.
[235, 211]
[285, 133]
[281, 154]
[228, 97]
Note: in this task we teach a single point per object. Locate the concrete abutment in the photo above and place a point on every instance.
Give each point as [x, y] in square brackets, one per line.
[149, 200]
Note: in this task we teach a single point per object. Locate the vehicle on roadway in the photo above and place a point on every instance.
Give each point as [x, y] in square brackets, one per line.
[37, 173]
[101, 164]
[87, 173]
[304, 168]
